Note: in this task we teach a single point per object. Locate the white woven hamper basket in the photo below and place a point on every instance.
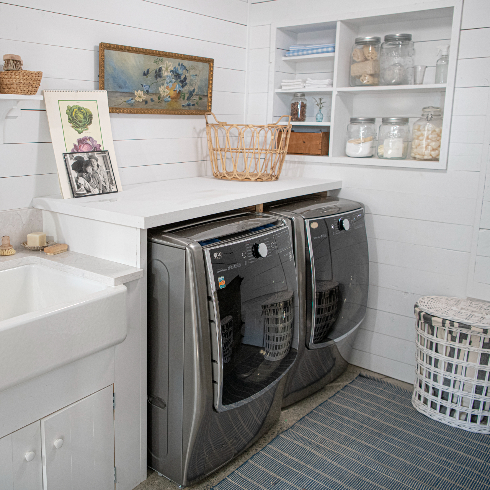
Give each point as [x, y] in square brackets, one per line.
[452, 382]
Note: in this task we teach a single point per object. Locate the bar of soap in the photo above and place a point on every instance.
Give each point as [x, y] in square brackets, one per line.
[36, 239]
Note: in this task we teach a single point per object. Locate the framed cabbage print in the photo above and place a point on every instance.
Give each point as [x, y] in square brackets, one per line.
[79, 124]
[144, 81]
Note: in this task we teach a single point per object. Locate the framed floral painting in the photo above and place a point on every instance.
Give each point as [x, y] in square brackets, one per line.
[144, 81]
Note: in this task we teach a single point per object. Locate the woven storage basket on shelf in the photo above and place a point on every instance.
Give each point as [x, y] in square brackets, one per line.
[20, 82]
[278, 313]
[452, 382]
[247, 152]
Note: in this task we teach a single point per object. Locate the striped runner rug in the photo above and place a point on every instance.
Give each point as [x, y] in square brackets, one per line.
[367, 436]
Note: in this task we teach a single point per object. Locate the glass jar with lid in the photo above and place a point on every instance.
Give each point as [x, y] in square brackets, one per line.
[396, 59]
[364, 62]
[394, 138]
[427, 133]
[298, 107]
[361, 137]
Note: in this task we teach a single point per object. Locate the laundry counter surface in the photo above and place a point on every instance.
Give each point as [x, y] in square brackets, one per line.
[159, 203]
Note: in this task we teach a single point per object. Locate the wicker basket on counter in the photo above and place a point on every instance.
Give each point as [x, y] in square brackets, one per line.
[247, 152]
[20, 82]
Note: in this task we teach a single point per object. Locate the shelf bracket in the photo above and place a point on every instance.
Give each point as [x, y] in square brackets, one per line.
[9, 109]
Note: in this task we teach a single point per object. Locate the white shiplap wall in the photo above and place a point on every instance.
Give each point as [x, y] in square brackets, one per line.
[61, 38]
[419, 223]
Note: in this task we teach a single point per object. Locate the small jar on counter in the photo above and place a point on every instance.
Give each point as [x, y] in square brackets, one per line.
[364, 63]
[394, 138]
[298, 107]
[396, 60]
[361, 137]
[427, 132]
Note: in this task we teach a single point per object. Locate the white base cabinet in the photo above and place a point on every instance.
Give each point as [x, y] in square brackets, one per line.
[72, 449]
[20, 459]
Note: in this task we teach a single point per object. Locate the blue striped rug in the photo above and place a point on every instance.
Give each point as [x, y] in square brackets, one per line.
[367, 436]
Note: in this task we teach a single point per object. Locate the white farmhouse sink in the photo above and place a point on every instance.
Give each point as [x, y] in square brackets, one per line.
[49, 318]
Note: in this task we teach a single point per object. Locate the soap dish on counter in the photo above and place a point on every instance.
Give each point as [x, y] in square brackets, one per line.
[38, 249]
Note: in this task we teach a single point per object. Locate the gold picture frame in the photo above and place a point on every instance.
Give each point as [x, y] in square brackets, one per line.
[146, 81]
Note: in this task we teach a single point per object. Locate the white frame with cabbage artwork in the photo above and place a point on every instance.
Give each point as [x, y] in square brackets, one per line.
[79, 122]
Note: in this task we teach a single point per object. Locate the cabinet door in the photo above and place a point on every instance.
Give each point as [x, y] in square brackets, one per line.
[78, 445]
[20, 459]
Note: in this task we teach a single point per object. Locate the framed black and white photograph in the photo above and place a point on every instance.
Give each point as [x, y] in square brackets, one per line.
[90, 173]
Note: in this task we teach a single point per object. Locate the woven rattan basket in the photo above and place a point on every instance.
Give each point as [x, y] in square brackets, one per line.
[247, 152]
[22, 82]
[452, 383]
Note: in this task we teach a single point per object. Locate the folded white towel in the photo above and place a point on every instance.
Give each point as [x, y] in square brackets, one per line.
[292, 81]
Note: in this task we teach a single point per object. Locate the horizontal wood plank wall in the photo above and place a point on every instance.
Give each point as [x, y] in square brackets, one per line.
[61, 39]
[419, 223]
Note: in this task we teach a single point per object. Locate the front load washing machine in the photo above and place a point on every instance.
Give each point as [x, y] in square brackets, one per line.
[223, 332]
[333, 271]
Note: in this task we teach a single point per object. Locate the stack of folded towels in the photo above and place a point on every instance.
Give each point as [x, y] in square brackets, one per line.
[292, 84]
[303, 49]
[318, 84]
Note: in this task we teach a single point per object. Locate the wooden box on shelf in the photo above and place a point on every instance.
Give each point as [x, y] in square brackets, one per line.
[308, 143]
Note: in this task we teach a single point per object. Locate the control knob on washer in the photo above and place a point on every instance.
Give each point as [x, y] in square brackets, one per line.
[259, 250]
[344, 224]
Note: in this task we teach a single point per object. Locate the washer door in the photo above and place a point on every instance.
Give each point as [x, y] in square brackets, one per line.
[253, 291]
[339, 269]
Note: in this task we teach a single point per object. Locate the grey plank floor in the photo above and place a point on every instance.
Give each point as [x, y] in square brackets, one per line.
[288, 417]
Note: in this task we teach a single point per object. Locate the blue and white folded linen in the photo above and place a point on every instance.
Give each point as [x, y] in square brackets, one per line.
[301, 50]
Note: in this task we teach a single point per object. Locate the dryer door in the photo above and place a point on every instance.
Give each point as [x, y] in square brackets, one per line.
[339, 268]
[253, 288]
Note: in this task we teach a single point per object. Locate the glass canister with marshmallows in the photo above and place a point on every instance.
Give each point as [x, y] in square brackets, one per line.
[427, 134]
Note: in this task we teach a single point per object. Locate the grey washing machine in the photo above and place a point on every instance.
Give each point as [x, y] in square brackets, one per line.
[333, 271]
[223, 331]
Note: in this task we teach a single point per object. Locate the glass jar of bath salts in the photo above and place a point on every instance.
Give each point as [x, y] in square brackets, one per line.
[364, 61]
[393, 138]
[298, 107]
[361, 137]
[427, 132]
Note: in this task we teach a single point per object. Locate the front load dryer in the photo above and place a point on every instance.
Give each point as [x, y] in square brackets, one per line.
[223, 331]
[333, 271]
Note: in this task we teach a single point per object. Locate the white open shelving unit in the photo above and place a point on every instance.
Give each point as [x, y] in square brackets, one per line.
[430, 26]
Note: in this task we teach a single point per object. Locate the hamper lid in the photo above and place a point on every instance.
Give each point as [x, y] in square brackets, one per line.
[471, 312]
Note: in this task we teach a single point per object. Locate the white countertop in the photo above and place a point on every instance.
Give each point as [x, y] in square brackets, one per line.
[100, 270]
[170, 201]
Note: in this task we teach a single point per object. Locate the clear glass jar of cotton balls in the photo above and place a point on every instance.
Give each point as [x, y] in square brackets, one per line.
[426, 135]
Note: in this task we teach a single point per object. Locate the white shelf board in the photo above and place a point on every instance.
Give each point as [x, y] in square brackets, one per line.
[395, 88]
[170, 201]
[374, 162]
[305, 91]
[326, 123]
[20, 97]
[306, 57]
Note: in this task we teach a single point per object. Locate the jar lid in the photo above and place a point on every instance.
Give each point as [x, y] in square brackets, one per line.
[431, 110]
[362, 120]
[299, 94]
[395, 120]
[368, 40]
[389, 38]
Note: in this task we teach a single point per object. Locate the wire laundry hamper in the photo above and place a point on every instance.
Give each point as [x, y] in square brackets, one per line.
[327, 303]
[247, 152]
[452, 383]
[278, 313]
